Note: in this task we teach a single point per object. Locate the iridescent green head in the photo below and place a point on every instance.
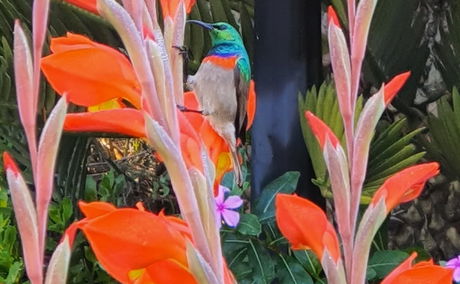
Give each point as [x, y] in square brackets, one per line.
[221, 33]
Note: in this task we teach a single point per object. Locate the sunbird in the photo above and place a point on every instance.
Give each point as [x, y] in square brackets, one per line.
[222, 85]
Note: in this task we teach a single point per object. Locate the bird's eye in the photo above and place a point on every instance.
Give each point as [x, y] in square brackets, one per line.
[222, 27]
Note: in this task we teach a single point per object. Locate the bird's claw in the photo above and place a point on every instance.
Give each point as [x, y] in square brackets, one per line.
[184, 51]
[186, 109]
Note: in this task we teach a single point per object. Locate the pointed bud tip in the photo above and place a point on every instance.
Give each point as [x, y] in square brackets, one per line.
[321, 130]
[332, 16]
[9, 163]
[393, 87]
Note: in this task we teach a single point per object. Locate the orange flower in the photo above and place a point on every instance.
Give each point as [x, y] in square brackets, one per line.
[169, 7]
[424, 272]
[90, 73]
[89, 5]
[136, 246]
[405, 185]
[305, 226]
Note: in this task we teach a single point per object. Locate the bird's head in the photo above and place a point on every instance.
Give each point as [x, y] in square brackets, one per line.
[220, 32]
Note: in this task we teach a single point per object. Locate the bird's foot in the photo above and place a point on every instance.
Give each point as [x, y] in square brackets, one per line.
[186, 109]
[184, 51]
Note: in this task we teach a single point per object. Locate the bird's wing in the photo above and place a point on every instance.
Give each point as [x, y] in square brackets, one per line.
[242, 88]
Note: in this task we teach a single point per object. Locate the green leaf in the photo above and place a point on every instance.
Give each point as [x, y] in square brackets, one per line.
[14, 273]
[261, 262]
[249, 225]
[383, 262]
[309, 261]
[290, 271]
[264, 207]
[444, 134]
[218, 11]
[235, 248]
[90, 189]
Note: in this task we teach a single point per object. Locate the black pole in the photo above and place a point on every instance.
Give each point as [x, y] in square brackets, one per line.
[287, 61]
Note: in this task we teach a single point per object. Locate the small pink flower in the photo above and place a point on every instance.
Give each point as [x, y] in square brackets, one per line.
[454, 263]
[224, 207]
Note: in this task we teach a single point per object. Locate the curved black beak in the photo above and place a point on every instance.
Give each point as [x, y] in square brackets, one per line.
[202, 24]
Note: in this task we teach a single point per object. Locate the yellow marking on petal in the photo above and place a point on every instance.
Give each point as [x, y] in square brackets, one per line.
[136, 273]
[224, 163]
[112, 104]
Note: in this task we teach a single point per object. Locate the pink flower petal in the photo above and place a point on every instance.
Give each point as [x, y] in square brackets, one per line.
[231, 217]
[233, 202]
[457, 274]
[221, 194]
[454, 262]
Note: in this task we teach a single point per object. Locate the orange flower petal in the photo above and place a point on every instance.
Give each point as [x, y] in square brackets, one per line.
[9, 164]
[127, 239]
[195, 119]
[95, 209]
[90, 73]
[177, 224]
[169, 7]
[190, 143]
[251, 106]
[89, 5]
[425, 275]
[228, 275]
[223, 166]
[424, 272]
[332, 16]
[321, 130]
[406, 264]
[405, 185]
[305, 225]
[73, 41]
[169, 271]
[125, 121]
[392, 88]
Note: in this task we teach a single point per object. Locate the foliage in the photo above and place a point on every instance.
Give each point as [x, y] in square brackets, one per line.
[109, 188]
[11, 265]
[447, 49]
[441, 141]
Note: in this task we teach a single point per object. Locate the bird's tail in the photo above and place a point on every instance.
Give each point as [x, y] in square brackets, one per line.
[236, 166]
